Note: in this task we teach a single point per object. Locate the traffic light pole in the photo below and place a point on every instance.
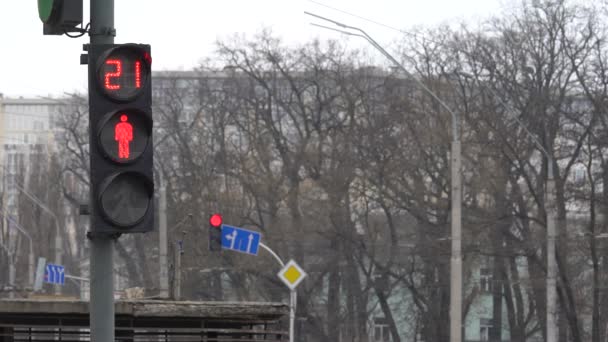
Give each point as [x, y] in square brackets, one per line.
[102, 275]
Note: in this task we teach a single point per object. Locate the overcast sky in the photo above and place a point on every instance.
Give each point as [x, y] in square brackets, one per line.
[182, 32]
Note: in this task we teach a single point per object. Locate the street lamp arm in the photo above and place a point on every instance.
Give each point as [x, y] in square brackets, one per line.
[17, 225]
[392, 59]
[338, 30]
[37, 202]
[366, 37]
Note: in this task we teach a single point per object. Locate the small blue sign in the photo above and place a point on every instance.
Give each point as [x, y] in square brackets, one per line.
[240, 240]
[54, 274]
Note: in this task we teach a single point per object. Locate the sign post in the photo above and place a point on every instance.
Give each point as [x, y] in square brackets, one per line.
[292, 275]
[248, 242]
[40, 270]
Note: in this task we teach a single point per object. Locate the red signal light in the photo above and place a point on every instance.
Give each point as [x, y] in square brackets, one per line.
[123, 134]
[215, 220]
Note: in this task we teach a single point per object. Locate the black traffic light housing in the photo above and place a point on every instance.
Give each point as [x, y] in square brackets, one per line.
[60, 16]
[215, 233]
[120, 137]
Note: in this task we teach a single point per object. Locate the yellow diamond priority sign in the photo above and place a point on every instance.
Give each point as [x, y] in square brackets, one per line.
[292, 274]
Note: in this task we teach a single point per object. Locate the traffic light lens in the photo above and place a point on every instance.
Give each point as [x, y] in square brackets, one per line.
[126, 199]
[125, 135]
[124, 73]
[45, 9]
[215, 220]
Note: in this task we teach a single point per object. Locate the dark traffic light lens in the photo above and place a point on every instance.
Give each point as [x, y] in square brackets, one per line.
[124, 135]
[124, 73]
[126, 198]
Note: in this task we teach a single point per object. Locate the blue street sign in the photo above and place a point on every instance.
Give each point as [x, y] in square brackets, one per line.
[54, 274]
[240, 240]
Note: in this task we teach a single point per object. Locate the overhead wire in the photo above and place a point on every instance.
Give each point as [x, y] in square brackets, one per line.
[416, 36]
[363, 18]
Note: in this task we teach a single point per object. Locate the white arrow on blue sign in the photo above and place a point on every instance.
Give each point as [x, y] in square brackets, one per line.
[54, 274]
[240, 240]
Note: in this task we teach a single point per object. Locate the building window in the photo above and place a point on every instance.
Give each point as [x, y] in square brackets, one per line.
[38, 125]
[485, 280]
[381, 330]
[10, 181]
[485, 324]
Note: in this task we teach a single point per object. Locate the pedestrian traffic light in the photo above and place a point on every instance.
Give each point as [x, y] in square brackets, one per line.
[120, 136]
[215, 233]
[60, 16]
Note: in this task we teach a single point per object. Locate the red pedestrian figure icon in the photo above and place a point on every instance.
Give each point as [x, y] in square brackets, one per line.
[123, 134]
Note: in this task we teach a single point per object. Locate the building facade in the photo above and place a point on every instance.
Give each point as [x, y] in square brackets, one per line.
[26, 131]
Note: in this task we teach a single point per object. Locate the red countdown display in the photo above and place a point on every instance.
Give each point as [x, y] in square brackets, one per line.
[124, 72]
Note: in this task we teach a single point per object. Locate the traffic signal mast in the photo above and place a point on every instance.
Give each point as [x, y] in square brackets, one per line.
[120, 119]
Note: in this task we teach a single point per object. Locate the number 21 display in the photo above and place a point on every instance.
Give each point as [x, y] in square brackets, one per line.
[123, 73]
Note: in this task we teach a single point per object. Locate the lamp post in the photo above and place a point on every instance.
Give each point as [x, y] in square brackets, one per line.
[30, 259]
[178, 250]
[456, 182]
[551, 280]
[162, 236]
[11, 270]
[58, 239]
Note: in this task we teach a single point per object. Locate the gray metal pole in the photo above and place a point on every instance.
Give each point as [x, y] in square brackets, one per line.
[58, 256]
[293, 299]
[11, 268]
[11, 275]
[30, 266]
[102, 290]
[58, 243]
[551, 262]
[456, 260]
[102, 273]
[162, 236]
[293, 296]
[177, 275]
